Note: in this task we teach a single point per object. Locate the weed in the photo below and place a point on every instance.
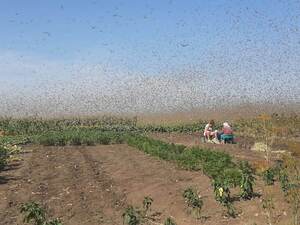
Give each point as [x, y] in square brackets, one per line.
[284, 181]
[290, 182]
[131, 216]
[54, 222]
[269, 176]
[147, 202]
[169, 221]
[193, 201]
[267, 134]
[268, 206]
[134, 215]
[293, 197]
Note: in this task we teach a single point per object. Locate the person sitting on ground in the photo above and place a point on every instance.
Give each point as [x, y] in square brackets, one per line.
[209, 134]
[226, 134]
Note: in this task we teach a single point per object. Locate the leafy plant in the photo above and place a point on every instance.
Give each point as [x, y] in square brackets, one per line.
[193, 201]
[222, 195]
[3, 157]
[284, 181]
[54, 222]
[269, 176]
[33, 213]
[36, 215]
[134, 215]
[131, 216]
[169, 221]
[147, 202]
[247, 180]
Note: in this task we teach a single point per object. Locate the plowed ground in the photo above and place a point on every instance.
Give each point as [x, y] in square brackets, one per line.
[93, 185]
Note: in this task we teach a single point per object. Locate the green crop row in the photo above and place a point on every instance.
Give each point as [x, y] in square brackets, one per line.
[29, 126]
[216, 165]
[33, 126]
[77, 137]
[287, 124]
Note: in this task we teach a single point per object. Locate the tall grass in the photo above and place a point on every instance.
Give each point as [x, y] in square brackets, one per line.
[282, 125]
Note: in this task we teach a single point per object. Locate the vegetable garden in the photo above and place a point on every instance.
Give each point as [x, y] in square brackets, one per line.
[226, 174]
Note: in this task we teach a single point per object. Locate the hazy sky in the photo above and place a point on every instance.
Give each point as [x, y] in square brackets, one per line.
[94, 56]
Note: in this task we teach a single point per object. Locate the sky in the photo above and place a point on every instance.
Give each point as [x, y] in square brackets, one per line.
[95, 56]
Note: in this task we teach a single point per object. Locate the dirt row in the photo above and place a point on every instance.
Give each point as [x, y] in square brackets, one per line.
[93, 185]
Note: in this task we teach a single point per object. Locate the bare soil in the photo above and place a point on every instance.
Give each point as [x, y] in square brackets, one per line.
[93, 185]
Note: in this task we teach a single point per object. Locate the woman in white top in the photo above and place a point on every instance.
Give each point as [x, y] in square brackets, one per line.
[209, 133]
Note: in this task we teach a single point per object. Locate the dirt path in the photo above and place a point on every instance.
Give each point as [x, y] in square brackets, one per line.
[93, 185]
